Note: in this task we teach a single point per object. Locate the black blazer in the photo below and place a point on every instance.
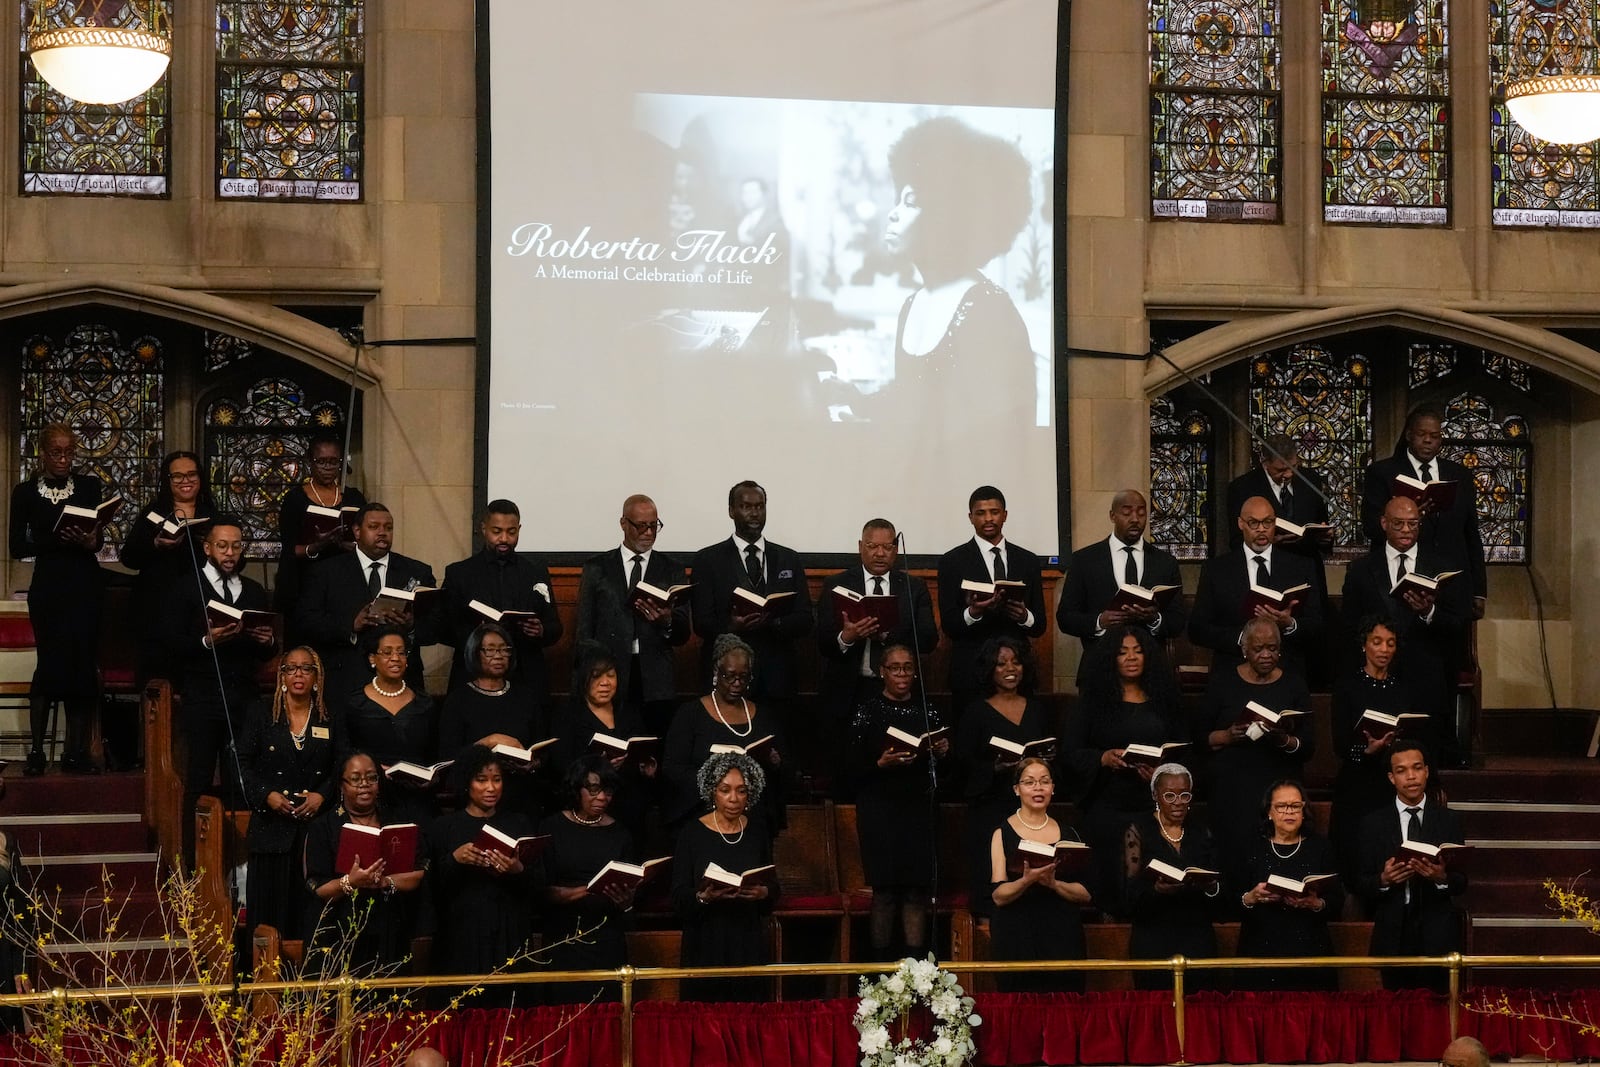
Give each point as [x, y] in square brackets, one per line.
[1308, 506]
[505, 586]
[272, 764]
[717, 570]
[605, 616]
[1435, 923]
[335, 589]
[1093, 579]
[1428, 650]
[1218, 614]
[1453, 534]
[183, 625]
[841, 669]
[964, 563]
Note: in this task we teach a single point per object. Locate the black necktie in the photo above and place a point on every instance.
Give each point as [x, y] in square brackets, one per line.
[636, 572]
[1413, 833]
[1400, 568]
[1427, 475]
[999, 564]
[1130, 570]
[1286, 502]
[877, 585]
[227, 589]
[1263, 578]
[752, 567]
[374, 581]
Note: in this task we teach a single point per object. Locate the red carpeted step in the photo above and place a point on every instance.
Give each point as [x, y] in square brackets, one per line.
[54, 835]
[56, 792]
[1514, 819]
[91, 872]
[1546, 781]
[1562, 860]
[1513, 895]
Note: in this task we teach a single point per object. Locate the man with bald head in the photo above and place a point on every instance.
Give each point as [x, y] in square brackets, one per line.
[1222, 601]
[1464, 1052]
[640, 636]
[1096, 572]
[1430, 625]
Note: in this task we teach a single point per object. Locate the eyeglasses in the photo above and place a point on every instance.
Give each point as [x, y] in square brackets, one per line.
[227, 546]
[391, 653]
[1404, 524]
[1293, 808]
[184, 476]
[595, 789]
[326, 461]
[494, 651]
[1260, 524]
[900, 668]
[61, 453]
[1177, 798]
[641, 527]
[1036, 783]
[734, 676]
[362, 779]
[297, 668]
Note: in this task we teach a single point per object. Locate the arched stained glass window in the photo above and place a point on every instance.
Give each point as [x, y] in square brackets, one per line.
[1497, 452]
[1324, 402]
[290, 99]
[1215, 103]
[1534, 182]
[1385, 111]
[255, 445]
[1181, 447]
[110, 393]
[70, 148]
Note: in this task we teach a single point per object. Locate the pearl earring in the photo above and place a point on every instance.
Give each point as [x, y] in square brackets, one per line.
[285, 689]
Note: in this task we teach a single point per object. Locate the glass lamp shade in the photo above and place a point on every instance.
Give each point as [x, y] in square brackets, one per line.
[99, 64]
[1559, 108]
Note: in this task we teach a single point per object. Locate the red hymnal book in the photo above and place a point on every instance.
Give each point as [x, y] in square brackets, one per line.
[395, 844]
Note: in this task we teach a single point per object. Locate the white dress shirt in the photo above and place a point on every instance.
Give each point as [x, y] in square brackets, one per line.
[986, 550]
[627, 569]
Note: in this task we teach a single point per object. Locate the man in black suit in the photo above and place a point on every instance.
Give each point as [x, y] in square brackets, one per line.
[339, 602]
[214, 666]
[1296, 492]
[1096, 573]
[639, 637]
[971, 618]
[1220, 600]
[1430, 625]
[750, 562]
[1411, 901]
[1451, 534]
[505, 580]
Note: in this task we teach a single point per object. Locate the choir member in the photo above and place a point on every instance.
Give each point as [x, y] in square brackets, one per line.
[162, 556]
[490, 708]
[594, 708]
[1287, 921]
[1362, 783]
[390, 719]
[1170, 918]
[299, 545]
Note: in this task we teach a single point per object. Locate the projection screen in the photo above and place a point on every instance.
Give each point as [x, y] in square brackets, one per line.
[806, 243]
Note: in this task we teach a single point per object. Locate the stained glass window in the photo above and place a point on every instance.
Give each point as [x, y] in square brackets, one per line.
[290, 99]
[1324, 402]
[1496, 451]
[1534, 182]
[1508, 369]
[1215, 102]
[1385, 111]
[110, 393]
[1429, 362]
[254, 451]
[1435, 360]
[75, 149]
[1180, 479]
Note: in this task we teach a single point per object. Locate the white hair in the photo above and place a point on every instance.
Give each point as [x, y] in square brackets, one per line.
[1169, 770]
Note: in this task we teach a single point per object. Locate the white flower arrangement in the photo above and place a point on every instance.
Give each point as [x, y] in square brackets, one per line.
[885, 1004]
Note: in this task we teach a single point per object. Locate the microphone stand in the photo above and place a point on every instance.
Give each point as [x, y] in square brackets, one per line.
[933, 762]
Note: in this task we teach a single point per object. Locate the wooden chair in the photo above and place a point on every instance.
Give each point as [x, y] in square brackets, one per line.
[808, 873]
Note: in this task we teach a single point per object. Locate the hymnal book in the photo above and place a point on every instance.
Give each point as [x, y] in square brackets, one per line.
[746, 602]
[1005, 587]
[1265, 716]
[637, 749]
[77, 519]
[715, 876]
[527, 849]
[853, 607]
[756, 749]
[1196, 876]
[667, 597]
[417, 597]
[898, 740]
[1151, 755]
[496, 615]
[1069, 856]
[219, 614]
[628, 876]
[1278, 600]
[410, 773]
[1431, 496]
[1129, 595]
[170, 526]
[1421, 850]
[1421, 583]
[322, 523]
[395, 844]
[1300, 887]
[521, 759]
[1044, 747]
[1315, 531]
[1378, 723]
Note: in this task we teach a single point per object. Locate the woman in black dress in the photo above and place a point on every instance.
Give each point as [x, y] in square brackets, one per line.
[1277, 920]
[1170, 918]
[488, 710]
[1248, 757]
[361, 920]
[1362, 784]
[1129, 697]
[392, 721]
[583, 839]
[287, 752]
[297, 546]
[894, 808]
[164, 548]
[725, 717]
[1036, 914]
[724, 926]
[485, 899]
[1010, 712]
[64, 597]
[593, 709]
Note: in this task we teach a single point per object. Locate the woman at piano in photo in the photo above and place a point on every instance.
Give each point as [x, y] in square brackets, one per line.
[392, 721]
[489, 709]
[298, 546]
[1246, 756]
[64, 596]
[1036, 908]
[1281, 920]
[1362, 783]
[894, 807]
[593, 708]
[1171, 918]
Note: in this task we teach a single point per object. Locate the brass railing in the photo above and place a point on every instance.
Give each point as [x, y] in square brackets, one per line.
[628, 977]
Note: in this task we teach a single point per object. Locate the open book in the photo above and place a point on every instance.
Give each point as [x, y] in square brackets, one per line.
[853, 607]
[747, 603]
[629, 876]
[527, 848]
[508, 616]
[87, 520]
[395, 844]
[1151, 755]
[898, 740]
[1258, 719]
[1378, 723]
[1294, 531]
[408, 773]
[1421, 583]
[1431, 497]
[638, 749]
[322, 523]
[1288, 599]
[664, 597]
[522, 759]
[170, 526]
[756, 749]
[1448, 852]
[1129, 595]
[1005, 587]
[416, 598]
[1283, 885]
[1043, 748]
[715, 876]
[219, 614]
[1201, 877]
[1070, 857]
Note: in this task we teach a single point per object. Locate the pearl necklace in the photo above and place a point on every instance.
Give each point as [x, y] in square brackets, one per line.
[1291, 852]
[316, 494]
[384, 692]
[505, 687]
[585, 822]
[56, 496]
[1163, 828]
[1030, 825]
[749, 723]
[743, 823]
